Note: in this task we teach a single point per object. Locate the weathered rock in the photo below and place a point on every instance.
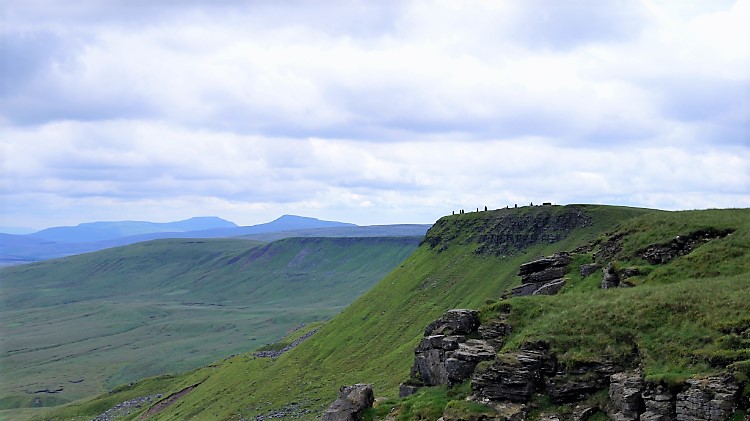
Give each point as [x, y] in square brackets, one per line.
[405, 390]
[710, 399]
[576, 382]
[514, 376]
[550, 288]
[681, 245]
[429, 367]
[543, 288]
[495, 332]
[443, 339]
[461, 364]
[611, 279]
[454, 322]
[545, 275]
[590, 269]
[583, 413]
[659, 403]
[352, 402]
[556, 260]
[625, 400]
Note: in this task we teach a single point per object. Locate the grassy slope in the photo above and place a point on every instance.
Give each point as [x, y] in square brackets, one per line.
[170, 305]
[679, 316]
[374, 338]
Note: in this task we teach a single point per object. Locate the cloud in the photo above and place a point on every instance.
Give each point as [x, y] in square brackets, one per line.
[418, 106]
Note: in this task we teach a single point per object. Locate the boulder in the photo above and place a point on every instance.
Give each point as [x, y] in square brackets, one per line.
[454, 322]
[352, 402]
[556, 260]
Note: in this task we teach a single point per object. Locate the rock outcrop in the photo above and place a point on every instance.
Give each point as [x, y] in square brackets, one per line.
[514, 376]
[707, 399]
[352, 402]
[544, 276]
[445, 355]
[680, 245]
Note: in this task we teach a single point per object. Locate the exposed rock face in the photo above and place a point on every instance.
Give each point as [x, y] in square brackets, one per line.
[445, 355]
[576, 382]
[352, 402]
[625, 390]
[514, 376]
[659, 403]
[495, 332]
[681, 245]
[711, 399]
[543, 276]
[505, 231]
[708, 399]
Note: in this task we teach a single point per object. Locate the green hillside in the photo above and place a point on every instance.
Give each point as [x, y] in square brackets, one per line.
[470, 261]
[374, 338]
[81, 325]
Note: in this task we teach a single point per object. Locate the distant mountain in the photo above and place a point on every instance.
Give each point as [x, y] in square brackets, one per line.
[66, 241]
[100, 231]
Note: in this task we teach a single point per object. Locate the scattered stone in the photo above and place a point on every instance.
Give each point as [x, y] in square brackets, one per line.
[278, 353]
[352, 402]
[125, 408]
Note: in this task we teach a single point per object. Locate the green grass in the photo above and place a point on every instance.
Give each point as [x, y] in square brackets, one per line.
[91, 322]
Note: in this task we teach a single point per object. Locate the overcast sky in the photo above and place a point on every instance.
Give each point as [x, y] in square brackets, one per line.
[368, 112]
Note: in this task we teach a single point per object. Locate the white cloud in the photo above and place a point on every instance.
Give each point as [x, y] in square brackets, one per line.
[373, 111]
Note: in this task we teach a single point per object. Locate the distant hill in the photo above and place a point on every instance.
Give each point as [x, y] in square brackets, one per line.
[99, 231]
[67, 241]
[81, 325]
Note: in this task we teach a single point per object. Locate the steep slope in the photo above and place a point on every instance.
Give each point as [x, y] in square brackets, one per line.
[77, 326]
[373, 339]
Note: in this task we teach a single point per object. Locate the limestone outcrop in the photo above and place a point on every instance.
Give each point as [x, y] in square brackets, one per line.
[707, 399]
[352, 402]
[445, 355]
[543, 276]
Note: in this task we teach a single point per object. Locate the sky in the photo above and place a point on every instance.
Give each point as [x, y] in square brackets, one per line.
[370, 112]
